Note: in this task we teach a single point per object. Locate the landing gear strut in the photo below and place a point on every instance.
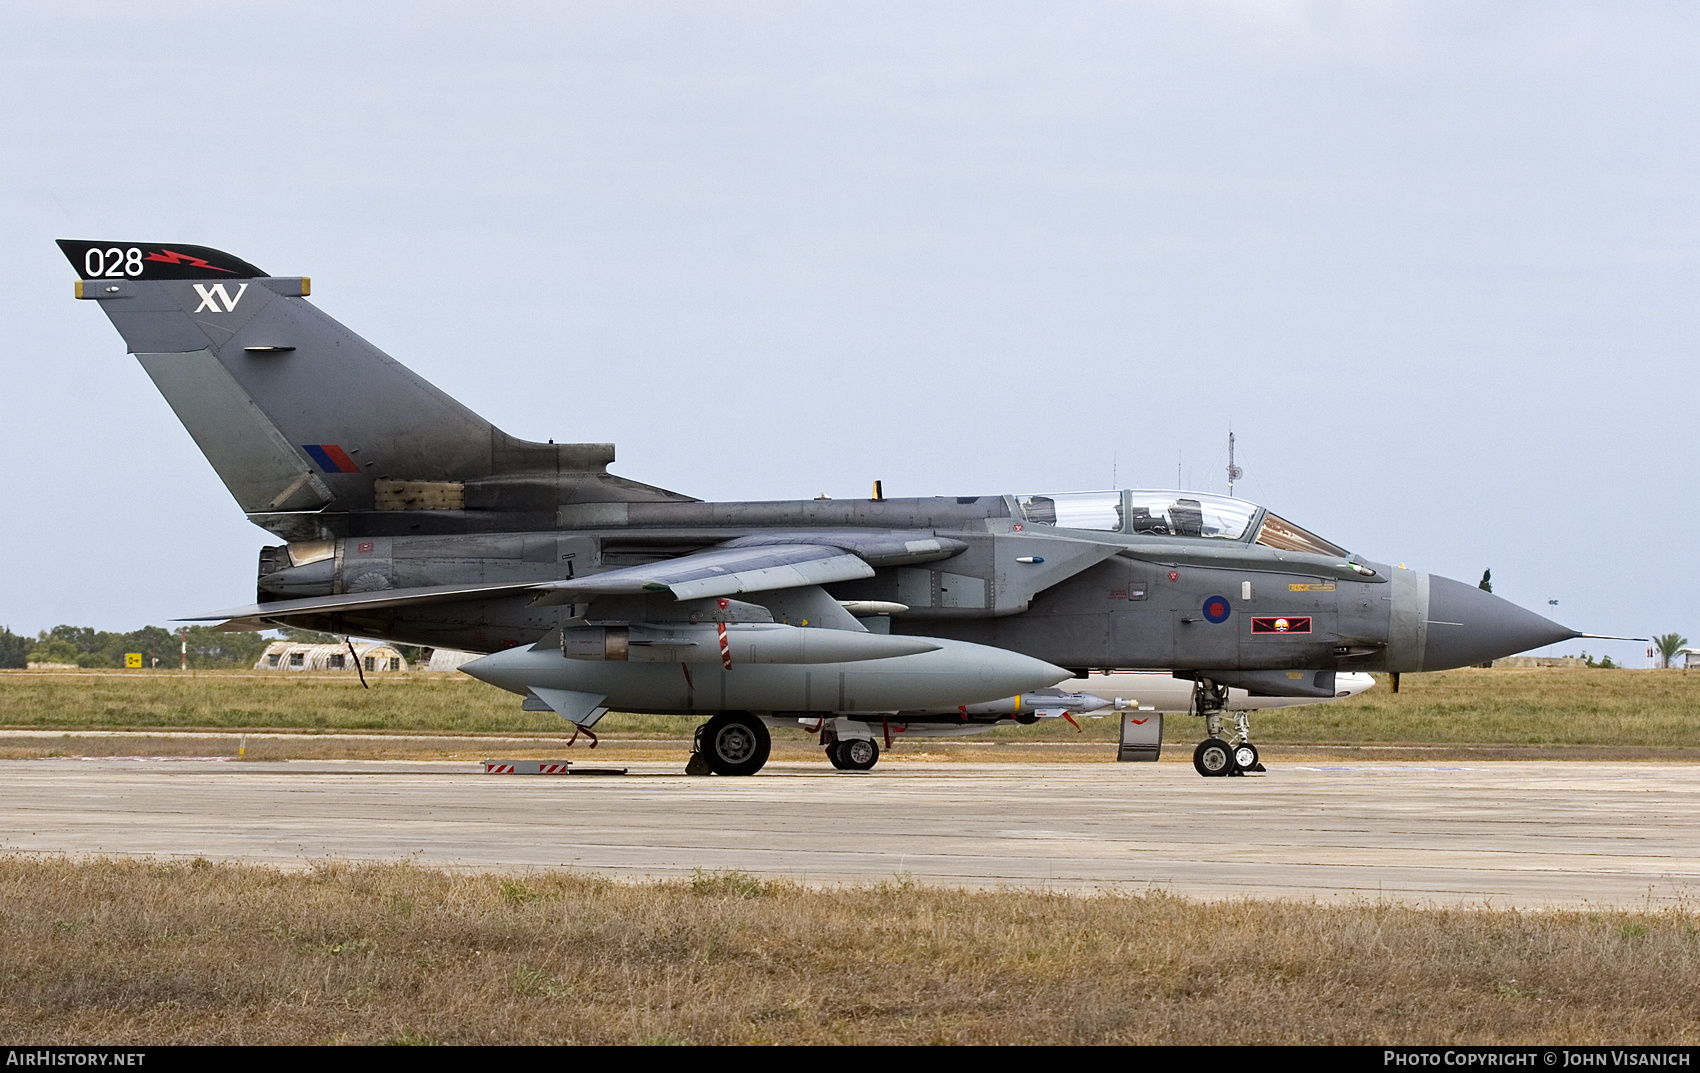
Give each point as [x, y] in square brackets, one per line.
[1218, 755]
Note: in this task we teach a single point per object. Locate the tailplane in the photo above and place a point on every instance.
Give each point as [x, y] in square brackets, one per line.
[316, 432]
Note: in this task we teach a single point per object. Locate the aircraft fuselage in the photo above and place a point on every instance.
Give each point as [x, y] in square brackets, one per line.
[1122, 600]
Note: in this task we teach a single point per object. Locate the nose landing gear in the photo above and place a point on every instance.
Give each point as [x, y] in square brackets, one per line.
[1214, 757]
[1218, 756]
[1245, 757]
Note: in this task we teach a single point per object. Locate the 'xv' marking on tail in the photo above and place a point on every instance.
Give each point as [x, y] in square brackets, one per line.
[212, 295]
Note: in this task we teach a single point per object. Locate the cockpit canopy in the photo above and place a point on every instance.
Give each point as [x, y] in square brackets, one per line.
[1172, 514]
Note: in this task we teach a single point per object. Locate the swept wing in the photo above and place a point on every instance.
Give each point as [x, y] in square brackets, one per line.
[722, 571]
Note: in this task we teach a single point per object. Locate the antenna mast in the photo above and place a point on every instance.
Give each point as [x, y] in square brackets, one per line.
[1234, 472]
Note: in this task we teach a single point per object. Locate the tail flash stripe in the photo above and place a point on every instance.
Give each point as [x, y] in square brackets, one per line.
[330, 457]
[172, 257]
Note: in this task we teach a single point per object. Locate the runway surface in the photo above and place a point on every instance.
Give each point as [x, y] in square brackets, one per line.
[1526, 834]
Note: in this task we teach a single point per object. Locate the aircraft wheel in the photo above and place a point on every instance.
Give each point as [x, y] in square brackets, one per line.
[858, 754]
[835, 753]
[1213, 758]
[735, 743]
[1245, 757]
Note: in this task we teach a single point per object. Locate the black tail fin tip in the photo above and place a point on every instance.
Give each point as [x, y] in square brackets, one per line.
[153, 260]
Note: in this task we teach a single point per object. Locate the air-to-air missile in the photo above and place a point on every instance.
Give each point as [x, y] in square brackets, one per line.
[1027, 708]
[405, 516]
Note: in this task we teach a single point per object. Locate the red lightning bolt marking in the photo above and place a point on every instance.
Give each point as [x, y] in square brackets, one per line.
[172, 257]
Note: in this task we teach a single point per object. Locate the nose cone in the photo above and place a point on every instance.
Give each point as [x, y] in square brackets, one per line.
[1468, 625]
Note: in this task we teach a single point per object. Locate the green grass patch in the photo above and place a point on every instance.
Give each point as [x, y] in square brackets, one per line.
[1481, 707]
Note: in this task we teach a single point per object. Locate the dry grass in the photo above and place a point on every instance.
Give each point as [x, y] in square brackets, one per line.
[144, 952]
[1646, 710]
[1557, 706]
[1653, 712]
[255, 699]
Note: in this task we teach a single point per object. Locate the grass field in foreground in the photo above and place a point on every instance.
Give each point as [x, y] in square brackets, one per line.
[1651, 709]
[193, 952]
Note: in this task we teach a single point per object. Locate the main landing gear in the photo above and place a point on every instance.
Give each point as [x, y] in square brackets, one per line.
[849, 753]
[732, 743]
[853, 754]
[1217, 756]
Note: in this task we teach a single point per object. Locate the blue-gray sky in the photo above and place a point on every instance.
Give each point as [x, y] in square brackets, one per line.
[1435, 262]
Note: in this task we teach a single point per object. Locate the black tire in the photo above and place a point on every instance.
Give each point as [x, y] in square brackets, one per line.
[1213, 758]
[834, 753]
[859, 754]
[1245, 757]
[735, 743]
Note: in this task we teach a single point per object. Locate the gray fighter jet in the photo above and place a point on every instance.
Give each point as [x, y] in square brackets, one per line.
[407, 517]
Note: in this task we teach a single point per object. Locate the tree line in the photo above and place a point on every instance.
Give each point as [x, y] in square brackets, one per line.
[84, 646]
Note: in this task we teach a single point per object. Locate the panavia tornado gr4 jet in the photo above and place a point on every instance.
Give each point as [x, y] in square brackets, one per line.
[407, 517]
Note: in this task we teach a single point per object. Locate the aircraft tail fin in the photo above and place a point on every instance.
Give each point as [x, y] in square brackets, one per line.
[315, 431]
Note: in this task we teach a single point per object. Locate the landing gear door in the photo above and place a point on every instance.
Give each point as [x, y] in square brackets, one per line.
[1142, 736]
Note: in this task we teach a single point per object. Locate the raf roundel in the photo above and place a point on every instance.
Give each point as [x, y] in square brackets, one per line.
[1216, 609]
